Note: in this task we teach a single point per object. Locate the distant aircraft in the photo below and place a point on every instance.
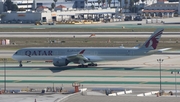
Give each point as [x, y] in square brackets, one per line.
[87, 56]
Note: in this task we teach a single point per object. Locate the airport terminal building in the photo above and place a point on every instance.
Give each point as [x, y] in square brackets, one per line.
[162, 8]
[78, 4]
[39, 10]
[45, 15]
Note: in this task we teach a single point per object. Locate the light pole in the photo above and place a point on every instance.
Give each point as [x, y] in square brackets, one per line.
[82, 90]
[174, 72]
[53, 86]
[160, 61]
[4, 61]
[27, 5]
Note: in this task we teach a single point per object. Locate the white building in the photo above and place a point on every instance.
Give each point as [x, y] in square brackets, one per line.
[33, 4]
[116, 3]
[26, 4]
[78, 4]
[162, 8]
[45, 15]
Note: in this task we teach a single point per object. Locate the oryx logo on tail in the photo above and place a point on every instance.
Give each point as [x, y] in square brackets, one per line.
[153, 41]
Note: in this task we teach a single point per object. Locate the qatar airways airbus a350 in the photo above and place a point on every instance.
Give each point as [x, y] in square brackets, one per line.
[88, 56]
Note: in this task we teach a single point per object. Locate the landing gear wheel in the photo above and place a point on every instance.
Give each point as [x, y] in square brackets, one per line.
[92, 64]
[83, 66]
[20, 64]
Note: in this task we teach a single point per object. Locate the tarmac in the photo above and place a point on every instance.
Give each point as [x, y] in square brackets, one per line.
[80, 98]
[88, 34]
[140, 75]
[30, 98]
[126, 24]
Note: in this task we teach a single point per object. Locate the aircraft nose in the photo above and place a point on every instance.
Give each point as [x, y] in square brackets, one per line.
[13, 57]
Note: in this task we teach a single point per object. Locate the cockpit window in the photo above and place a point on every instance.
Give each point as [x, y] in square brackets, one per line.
[16, 53]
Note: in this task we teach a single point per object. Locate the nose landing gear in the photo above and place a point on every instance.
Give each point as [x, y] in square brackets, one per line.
[20, 64]
[83, 66]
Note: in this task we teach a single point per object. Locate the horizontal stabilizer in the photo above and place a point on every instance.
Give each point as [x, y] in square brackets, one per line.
[164, 49]
[158, 51]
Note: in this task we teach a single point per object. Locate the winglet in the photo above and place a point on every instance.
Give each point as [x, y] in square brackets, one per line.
[82, 51]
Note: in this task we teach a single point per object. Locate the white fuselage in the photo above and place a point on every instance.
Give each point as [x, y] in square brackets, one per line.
[94, 53]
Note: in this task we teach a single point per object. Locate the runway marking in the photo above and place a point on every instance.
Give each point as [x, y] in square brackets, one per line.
[144, 82]
[16, 81]
[146, 63]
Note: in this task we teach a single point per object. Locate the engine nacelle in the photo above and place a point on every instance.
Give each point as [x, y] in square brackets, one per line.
[60, 61]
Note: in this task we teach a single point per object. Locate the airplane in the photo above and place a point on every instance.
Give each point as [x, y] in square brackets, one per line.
[88, 56]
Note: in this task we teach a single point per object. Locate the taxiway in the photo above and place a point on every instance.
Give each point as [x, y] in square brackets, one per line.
[141, 75]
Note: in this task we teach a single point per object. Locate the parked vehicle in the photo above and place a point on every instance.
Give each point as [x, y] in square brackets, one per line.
[128, 18]
[138, 18]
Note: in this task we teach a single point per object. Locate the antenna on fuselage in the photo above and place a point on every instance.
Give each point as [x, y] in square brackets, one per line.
[122, 46]
[138, 45]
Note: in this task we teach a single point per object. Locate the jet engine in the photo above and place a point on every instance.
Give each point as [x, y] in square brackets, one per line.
[60, 61]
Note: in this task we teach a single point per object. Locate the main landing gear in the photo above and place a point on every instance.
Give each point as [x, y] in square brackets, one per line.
[92, 64]
[20, 64]
[85, 66]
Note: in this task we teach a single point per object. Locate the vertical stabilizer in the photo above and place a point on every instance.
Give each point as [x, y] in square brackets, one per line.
[153, 40]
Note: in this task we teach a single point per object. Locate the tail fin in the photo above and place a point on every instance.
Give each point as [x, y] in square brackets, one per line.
[153, 41]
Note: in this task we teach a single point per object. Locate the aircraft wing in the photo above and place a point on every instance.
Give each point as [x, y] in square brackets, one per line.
[77, 57]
